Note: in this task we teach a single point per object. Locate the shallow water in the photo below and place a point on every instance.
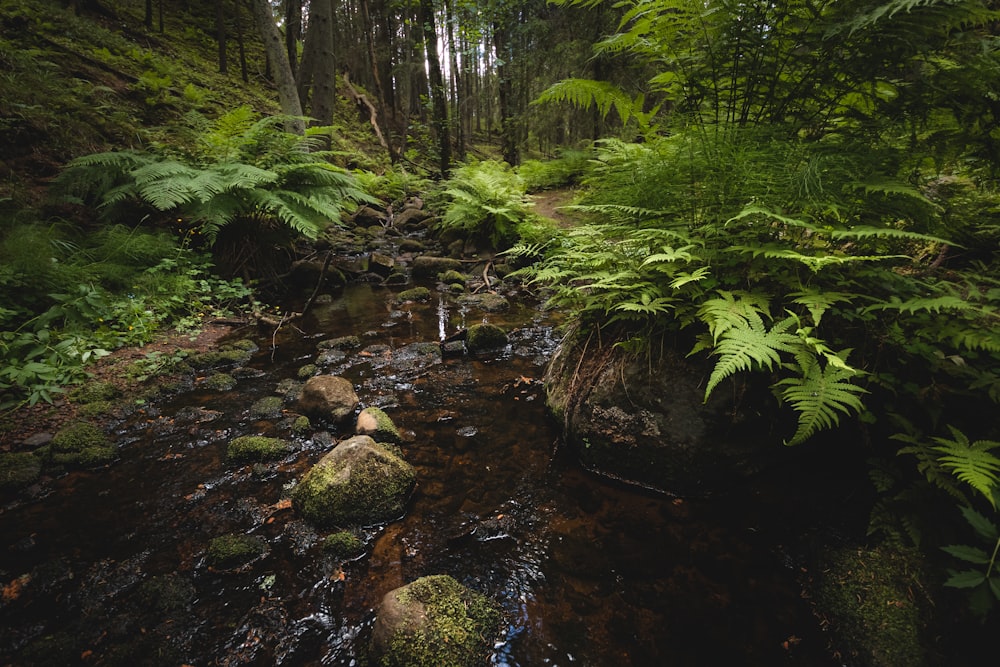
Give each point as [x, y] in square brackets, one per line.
[112, 568]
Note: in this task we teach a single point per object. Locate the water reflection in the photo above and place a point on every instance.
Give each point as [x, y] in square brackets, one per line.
[587, 572]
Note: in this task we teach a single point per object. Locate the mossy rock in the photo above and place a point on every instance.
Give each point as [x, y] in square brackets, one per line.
[301, 425]
[450, 277]
[377, 424]
[411, 245]
[414, 294]
[340, 343]
[429, 266]
[220, 382]
[230, 354]
[98, 409]
[269, 407]
[358, 483]
[256, 448]
[230, 551]
[94, 392]
[306, 372]
[871, 598]
[435, 621]
[487, 301]
[328, 397]
[18, 470]
[166, 593]
[81, 444]
[343, 545]
[484, 337]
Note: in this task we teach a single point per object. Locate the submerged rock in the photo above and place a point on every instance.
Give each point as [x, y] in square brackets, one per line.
[256, 448]
[360, 482]
[642, 418]
[329, 397]
[434, 621]
[488, 301]
[268, 407]
[228, 551]
[18, 470]
[428, 266]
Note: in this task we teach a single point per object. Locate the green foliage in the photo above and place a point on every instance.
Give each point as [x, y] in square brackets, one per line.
[237, 171]
[74, 297]
[566, 169]
[485, 199]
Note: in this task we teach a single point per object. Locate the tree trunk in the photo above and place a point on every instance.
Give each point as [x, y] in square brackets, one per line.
[457, 94]
[293, 31]
[277, 56]
[220, 35]
[149, 14]
[508, 119]
[241, 43]
[324, 66]
[439, 102]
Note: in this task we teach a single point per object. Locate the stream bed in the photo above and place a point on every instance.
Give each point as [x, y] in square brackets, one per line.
[112, 567]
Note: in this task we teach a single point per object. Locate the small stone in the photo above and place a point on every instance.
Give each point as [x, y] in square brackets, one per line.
[256, 448]
[377, 424]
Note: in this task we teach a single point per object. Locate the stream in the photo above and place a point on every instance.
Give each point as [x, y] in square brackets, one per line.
[111, 563]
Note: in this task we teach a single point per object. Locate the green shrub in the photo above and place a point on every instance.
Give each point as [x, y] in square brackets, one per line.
[485, 200]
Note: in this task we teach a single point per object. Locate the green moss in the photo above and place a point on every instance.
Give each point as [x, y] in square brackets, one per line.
[482, 337]
[256, 448]
[301, 425]
[269, 407]
[377, 424]
[359, 482]
[231, 354]
[94, 392]
[81, 444]
[233, 550]
[341, 343]
[343, 545]
[98, 409]
[220, 382]
[18, 470]
[166, 593]
[869, 598]
[452, 277]
[415, 294]
[306, 371]
[460, 627]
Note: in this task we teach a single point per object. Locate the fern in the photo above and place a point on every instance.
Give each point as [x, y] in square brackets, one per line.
[746, 343]
[820, 395]
[605, 96]
[972, 463]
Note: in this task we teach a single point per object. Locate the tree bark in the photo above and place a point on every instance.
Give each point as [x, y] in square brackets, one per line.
[439, 101]
[288, 96]
[220, 35]
[241, 43]
[324, 67]
[505, 89]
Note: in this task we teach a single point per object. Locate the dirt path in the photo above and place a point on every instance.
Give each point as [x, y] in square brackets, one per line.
[548, 203]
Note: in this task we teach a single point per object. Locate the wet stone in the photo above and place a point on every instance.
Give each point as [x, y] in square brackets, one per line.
[269, 407]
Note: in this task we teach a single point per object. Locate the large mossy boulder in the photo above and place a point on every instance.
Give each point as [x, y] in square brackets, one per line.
[359, 482]
[80, 444]
[485, 337]
[643, 418]
[328, 397]
[434, 621]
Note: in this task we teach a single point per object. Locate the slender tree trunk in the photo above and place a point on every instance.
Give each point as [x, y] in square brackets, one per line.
[324, 65]
[161, 16]
[278, 57]
[149, 14]
[240, 42]
[373, 60]
[220, 35]
[505, 83]
[293, 31]
[439, 103]
[456, 82]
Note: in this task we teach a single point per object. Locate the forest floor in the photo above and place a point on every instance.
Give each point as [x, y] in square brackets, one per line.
[20, 424]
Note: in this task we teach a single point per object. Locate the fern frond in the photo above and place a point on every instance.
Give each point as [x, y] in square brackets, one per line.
[972, 463]
[818, 301]
[748, 344]
[865, 232]
[584, 93]
[729, 309]
[819, 396]
[930, 304]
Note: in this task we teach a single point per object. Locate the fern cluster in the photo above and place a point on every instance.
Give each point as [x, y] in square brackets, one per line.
[234, 170]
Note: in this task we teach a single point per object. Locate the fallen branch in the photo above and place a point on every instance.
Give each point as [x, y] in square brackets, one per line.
[372, 111]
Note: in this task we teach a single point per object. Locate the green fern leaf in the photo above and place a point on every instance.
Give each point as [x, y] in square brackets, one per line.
[748, 345]
[931, 304]
[972, 463]
[820, 395]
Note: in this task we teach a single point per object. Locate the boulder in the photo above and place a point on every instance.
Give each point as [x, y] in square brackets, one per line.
[434, 621]
[410, 217]
[428, 266]
[488, 301]
[642, 418]
[359, 482]
[328, 397]
[366, 216]
[380, 264]
[485, 337]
